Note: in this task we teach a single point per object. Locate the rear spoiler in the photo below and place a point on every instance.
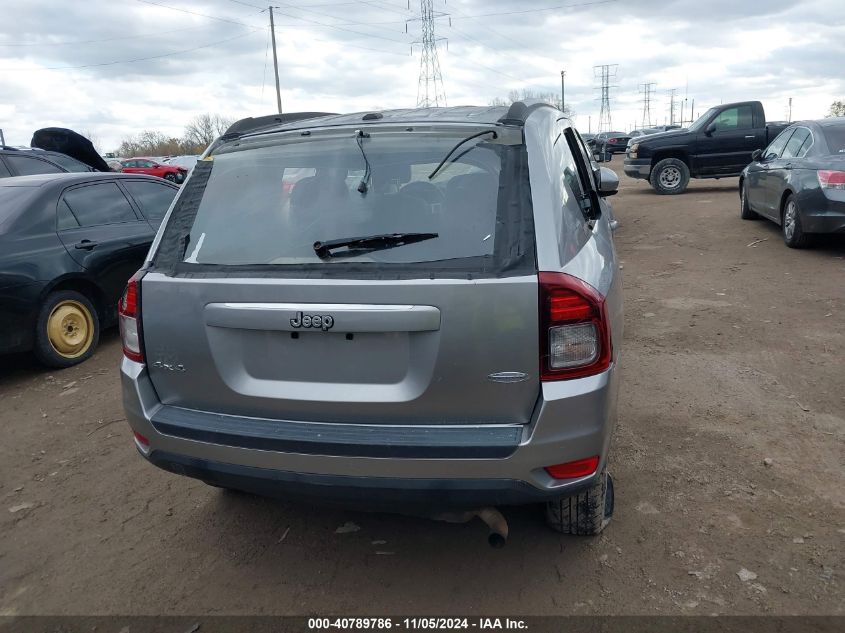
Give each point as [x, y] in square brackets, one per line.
[253, 124]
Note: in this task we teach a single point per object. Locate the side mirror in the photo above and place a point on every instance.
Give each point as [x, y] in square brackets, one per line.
[608, 182]
[757, 154]
[711, 127]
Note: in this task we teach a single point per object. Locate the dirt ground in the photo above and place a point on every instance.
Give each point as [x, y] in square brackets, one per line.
[733, 355]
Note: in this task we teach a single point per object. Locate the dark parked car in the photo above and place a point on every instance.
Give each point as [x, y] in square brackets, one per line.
[68, 244]
[612, 142]
[589, 139]
[25, 161]
[717, 145]
[799, 181]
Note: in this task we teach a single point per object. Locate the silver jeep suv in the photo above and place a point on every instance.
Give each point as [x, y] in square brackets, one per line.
[391, 309]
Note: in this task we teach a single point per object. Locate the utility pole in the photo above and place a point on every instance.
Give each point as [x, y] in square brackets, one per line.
[590, 123]
[2, 138]
[563, 91]
[790, 110]
[275, 61]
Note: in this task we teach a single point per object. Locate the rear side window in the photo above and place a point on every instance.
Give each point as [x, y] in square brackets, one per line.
[796, 142]
[270, 205]
[103, 203]
[153, 198]
[4, 171]
[26, 166]
[835, 137]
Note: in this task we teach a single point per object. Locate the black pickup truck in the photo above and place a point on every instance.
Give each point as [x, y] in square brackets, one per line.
[717, 145]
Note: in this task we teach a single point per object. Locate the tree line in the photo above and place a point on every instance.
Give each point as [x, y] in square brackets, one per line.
[198, 134]
[526, 94]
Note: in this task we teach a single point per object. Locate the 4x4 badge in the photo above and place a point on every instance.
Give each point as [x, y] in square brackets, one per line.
[508, 376]
[323, 322]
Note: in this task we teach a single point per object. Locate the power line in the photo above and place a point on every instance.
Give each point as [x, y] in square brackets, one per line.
[105, 39]
[204, 15]
[333, 26]
[138, 59]
[247, 4]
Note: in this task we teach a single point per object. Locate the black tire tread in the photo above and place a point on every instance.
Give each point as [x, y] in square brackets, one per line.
[800, 239]
[655, 182]
[745, 211]
[583, 514]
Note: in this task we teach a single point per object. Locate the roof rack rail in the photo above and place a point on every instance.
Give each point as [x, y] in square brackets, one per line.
[251, 124]
[520, 110]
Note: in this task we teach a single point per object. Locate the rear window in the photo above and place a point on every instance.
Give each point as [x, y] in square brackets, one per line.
[835, 137]
[269, 206]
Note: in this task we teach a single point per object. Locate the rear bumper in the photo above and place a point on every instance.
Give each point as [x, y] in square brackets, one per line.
[638, 168]
[829, 219]
[573, 420]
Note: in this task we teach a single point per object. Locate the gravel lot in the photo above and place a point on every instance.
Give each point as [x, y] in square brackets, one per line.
[728, 461]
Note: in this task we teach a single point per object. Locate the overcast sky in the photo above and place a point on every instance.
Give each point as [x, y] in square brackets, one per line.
[67, 62]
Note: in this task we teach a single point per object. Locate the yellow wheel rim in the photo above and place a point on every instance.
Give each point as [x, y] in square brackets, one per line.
[70, 329]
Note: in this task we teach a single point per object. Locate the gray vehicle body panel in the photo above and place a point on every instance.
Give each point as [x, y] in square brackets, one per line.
[222, 349]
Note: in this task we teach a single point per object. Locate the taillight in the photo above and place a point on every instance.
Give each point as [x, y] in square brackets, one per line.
[612, 141]
[574, 331]
[129, 311]
[829, 179]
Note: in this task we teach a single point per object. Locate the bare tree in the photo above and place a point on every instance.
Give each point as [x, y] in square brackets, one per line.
[203, 129]
[527, 94]
[837, 108]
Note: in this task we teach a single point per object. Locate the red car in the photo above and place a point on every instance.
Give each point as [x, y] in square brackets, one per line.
[173, 173]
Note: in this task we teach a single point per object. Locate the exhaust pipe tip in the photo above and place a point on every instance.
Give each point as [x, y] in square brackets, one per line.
[496, 540]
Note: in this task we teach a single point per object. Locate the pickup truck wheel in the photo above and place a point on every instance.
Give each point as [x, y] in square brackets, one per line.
[745, 211]
[670, 177]
[586, 513]
[793, 233]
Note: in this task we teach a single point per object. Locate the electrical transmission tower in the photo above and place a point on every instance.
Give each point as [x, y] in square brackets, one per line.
[606, 73]
[672, 94]
[430, 91]
[647, 90]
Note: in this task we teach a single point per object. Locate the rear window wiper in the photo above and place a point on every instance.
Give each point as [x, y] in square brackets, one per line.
[360, 245]
[452, 151]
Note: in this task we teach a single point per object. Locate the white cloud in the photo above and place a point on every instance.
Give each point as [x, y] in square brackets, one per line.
[721, 50]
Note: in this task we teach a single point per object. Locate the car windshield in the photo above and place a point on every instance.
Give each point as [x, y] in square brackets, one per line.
[270, 205]
[835, 137]
[700, 121]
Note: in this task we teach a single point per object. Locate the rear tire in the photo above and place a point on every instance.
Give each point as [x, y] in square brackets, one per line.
[170, 177]
[584, 514]
[793, 233]
[670, 177]
[67, 329]
[745, 211]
